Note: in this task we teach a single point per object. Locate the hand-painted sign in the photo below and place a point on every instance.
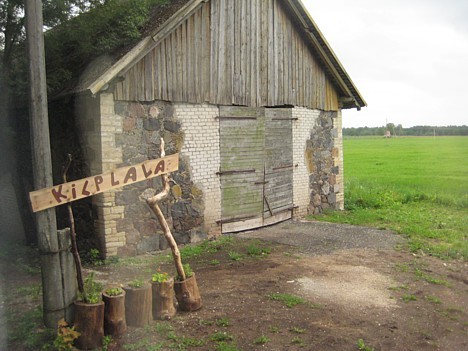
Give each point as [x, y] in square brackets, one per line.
[79, 189]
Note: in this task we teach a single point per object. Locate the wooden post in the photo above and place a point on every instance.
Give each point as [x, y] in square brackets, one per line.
[53, 299]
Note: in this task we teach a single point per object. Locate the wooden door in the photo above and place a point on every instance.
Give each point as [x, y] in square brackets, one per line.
[256, 167]
[278, 187]
[242, 151]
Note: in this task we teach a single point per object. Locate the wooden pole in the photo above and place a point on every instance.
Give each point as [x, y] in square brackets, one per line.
[53, 298]
[153, 204]
[71, 218]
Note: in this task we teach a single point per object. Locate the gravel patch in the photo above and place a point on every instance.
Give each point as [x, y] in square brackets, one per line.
[321, 238]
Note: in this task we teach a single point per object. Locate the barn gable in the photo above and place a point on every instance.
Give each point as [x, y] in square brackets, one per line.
[250, 53]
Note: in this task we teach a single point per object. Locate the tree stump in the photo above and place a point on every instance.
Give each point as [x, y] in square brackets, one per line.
[89, 321]
[115, 323]
[163, 299]
[138, 305]
[187, 294]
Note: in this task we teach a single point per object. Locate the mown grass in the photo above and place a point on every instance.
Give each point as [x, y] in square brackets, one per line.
[415, 186]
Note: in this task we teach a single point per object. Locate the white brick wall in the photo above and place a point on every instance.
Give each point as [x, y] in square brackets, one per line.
[201, 146]
[338, 160]
[301, 133]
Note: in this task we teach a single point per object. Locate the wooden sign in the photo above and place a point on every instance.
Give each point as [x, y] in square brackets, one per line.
[79, 189]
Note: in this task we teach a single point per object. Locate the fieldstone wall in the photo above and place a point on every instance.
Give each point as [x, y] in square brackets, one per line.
[142, 127]
[324, 155]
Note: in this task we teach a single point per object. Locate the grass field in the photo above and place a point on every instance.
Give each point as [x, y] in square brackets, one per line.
[417, 186]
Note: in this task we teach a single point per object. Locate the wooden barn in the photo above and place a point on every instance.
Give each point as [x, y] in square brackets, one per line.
[248, 91]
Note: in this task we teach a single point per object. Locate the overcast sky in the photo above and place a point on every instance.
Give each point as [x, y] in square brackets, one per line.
[408, 58]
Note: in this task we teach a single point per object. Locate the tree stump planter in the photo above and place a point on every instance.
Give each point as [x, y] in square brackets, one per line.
[163, 299]
[115, 323]
[89, 321]
[138, 305]
[187, 294]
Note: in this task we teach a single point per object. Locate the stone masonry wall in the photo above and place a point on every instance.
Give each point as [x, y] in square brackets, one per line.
[142, 127]
[325, 151]
[302, 127]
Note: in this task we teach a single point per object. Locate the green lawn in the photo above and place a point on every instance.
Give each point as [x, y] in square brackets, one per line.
[417, 186]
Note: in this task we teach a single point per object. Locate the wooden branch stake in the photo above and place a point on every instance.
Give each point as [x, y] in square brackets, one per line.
[76, 255]
[153, 204]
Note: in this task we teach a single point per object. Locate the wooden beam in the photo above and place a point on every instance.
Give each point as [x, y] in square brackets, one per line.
[79, 189]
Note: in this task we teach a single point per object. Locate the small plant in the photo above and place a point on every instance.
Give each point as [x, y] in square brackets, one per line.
[362, 346]
[433, 299]
[92, 290]
[297, 341]
[188, 271]
[223, 322]
[224, 346]
[297, 330]
[106, 341]
[235, 256]
[137, 283]
[221, 336]
[214, 262]
[115, 291]
[287, 299]
[94, 257]
[253, 250]
[274, 329]
[408, 297]
[261, 340]
[159, 277]
[65, 336]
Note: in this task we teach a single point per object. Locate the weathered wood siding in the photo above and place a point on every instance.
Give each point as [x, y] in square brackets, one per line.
[232, 52]
[278, 188]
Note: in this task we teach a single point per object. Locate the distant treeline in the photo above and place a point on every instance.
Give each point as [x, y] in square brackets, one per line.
[400, 131]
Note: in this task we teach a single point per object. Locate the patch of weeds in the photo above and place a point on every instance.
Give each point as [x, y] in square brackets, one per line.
[93, 257]
[162, 328]
[214, 262]
[430, 279]
[289, 254]
[402, 267]
[298, 341]
[191, 251]
[183, 342]
[261, 340]
[235, 256]
[273, 329]
[221, 336]
[224, 346]
[28, 329]
[408, 297]
[433, 299]
[206, 322]
[223, 322]
[362, 346]
[399, 288]
[256, 251]
[297, 330]
[32, 291]
[287, 299]
[452, 313]
[106, 341]
[141, 344]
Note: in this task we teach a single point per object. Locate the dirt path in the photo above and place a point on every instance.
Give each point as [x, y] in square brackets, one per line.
[352, 281]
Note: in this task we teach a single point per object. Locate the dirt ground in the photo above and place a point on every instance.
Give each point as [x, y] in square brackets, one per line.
[356, 283]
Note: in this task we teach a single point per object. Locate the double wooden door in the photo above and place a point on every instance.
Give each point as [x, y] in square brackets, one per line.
[256, 166]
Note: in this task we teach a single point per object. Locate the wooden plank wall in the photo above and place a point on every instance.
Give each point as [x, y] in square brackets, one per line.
[232, 52]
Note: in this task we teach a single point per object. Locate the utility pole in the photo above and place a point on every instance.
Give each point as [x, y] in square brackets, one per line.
[52, 285]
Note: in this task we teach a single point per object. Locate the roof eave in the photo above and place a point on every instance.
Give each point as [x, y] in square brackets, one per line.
[144, 46]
